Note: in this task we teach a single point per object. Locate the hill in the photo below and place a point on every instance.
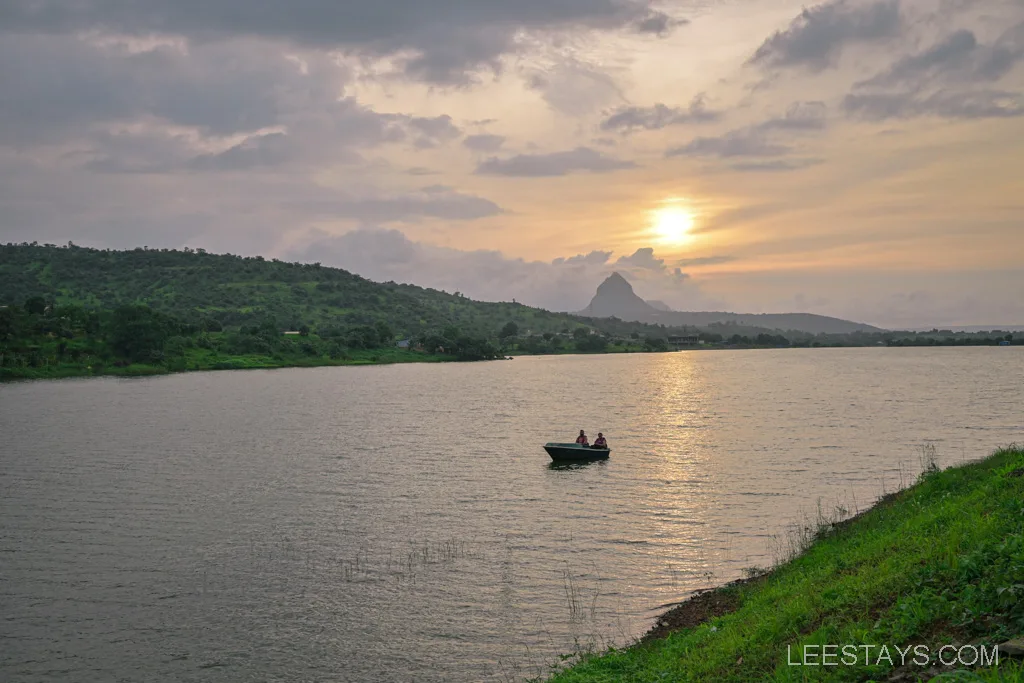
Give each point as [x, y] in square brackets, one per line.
[236, 291]
[615, 297]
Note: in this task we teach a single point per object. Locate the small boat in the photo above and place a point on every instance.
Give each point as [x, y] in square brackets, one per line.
[563, 452]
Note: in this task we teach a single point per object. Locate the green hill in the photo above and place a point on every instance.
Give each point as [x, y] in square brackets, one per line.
[67, 311]
[236, 291]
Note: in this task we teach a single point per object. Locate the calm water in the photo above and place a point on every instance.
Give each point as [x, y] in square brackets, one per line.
[402, 523]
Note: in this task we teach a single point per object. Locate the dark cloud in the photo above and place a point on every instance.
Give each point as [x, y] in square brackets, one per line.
[742, 143]
[817, 37]
[658, 23]
[581, 159]
[799, 116]
[254, 152]
[951, 52]
[642, 258]
[214, 104]
[957, 59]
[484, 142]
[447, 38]
[627, 119]
[247, 212]
[432, 132]
[430, 202]
[775, 165]
[596, 257]
[52, 85]
[956, 77]
[758, 141]
[968, 104]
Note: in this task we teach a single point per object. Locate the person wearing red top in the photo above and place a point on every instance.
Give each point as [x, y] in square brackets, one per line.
[582, 439]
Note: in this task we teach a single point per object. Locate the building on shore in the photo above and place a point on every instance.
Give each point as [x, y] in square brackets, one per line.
[684, 341]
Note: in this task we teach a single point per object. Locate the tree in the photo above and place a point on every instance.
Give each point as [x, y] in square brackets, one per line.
[655, 344]
[364, 337]
[35, 306]
[509, 330]
[580, 333]
[384, 333]
[139, 333]
[592, 343]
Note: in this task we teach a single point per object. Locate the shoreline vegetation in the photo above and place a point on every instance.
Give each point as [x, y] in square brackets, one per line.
[73, 311]
[939, 564]
[57, 356]
[41, 339]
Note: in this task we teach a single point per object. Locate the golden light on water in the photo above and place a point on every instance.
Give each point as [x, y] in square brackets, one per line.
[673, 223]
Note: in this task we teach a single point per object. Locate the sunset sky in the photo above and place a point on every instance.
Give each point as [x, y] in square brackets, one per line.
[857, 158]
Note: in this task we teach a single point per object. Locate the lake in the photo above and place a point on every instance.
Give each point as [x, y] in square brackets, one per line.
[403, 523]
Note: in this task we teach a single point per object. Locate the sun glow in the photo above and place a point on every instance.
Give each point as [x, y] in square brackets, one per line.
[672, 224]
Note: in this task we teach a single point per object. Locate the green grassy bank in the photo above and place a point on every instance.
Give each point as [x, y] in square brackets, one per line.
[204, 359]
[940, 563]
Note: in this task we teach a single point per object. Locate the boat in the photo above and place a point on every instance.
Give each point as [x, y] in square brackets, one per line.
[565, 452]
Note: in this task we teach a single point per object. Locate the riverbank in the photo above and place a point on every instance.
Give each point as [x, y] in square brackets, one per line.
[197, 360]
[938, 564]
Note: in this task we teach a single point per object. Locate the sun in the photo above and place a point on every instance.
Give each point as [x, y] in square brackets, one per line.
[673, 224]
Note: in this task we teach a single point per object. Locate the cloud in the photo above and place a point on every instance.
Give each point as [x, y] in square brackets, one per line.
[817, 37]
[54, 86]
[740, 143]
[574, 88]
[954, 78]
[643, 266]
[704, 261]
[758, 141]
[429, 202]
[484, 142]
[564, 284]
[951, 52]
[253, 152]
[658, 23]
[440, 41]
[799, 116]
[775, 165]
[596, 257]
[433, 131]
[958, 58]
[160, 107]
[642, 258]
[581, 159]
[967, 104]
[628, 119]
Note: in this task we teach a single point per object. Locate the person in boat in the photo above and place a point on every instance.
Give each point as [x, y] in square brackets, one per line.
[582, 439]
[600, 442]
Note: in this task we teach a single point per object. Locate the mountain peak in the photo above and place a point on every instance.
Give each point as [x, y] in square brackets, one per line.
[615, 298]
[615, 282]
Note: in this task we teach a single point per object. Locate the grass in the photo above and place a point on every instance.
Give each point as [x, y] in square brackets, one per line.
[939, 563]
[204, 359]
